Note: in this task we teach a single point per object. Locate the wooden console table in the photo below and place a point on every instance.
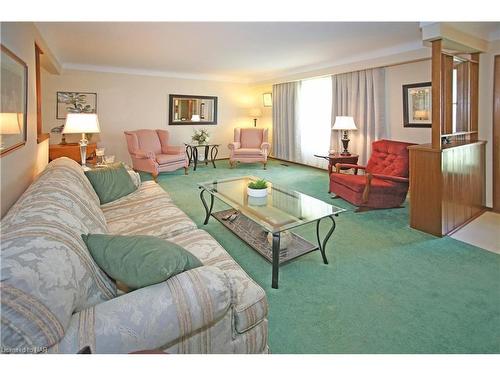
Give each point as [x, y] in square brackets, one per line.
[72, 151]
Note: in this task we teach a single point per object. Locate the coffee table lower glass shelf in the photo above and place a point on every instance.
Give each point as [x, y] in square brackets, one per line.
[265, 223]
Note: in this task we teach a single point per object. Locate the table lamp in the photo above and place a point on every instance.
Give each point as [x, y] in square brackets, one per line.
[255, 113]
[344, 123]
[82, 123]
[10, 123]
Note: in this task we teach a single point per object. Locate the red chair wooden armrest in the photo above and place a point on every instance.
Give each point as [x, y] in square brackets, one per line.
[391, 178]
[370, 176]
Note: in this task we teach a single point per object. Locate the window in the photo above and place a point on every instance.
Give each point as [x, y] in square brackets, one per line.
[315, 119]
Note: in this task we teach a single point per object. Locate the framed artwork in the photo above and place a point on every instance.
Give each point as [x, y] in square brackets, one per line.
[417, 105]
[13, 101]
[75, 102]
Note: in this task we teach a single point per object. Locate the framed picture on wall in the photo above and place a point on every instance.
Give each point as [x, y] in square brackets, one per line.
[13, 101]
[75, 102]
[417, 105]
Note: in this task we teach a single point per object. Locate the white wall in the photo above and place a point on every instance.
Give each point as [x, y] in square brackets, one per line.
[395, 78]
[128, 102]
[18, 168]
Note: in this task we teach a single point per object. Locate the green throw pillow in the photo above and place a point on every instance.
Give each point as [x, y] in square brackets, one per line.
[139, 261]
[111, 182]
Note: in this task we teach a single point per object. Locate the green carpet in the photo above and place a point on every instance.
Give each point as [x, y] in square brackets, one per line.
[388, 288]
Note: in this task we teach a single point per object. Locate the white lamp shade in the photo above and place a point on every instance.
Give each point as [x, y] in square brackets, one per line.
[344, 123]
[255, 112]
[81, 123]
[10, 123]
[195, 118]
[267, 99]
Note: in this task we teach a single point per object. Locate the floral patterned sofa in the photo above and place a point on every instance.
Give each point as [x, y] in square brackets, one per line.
[55, 299]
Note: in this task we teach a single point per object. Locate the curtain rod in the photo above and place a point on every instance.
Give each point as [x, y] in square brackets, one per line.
[360, 70]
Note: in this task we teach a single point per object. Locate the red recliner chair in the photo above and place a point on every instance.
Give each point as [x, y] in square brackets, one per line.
[385, 182]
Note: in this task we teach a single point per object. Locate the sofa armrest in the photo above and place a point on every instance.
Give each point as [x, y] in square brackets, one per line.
[391, 178]
[338, 166]
[139, 154]
[234, 145]
[154, 317]
[175, 150]
[265, 146]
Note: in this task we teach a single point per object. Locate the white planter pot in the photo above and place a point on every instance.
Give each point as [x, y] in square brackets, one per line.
[257, 193]
[259, 202]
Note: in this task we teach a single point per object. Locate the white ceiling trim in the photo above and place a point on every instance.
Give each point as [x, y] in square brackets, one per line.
[154, 73]
[402, 48]
[385, 52]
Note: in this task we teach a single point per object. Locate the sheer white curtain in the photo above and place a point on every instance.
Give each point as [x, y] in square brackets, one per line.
[360, 95]
[314, 120]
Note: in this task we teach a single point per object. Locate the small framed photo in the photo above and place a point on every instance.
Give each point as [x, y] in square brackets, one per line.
[417, 105]
[75, 102]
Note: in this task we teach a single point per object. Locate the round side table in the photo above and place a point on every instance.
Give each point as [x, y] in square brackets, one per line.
[211, 149]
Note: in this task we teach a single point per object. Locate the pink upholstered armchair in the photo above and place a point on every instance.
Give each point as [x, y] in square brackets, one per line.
[250, 146]
[150, 152]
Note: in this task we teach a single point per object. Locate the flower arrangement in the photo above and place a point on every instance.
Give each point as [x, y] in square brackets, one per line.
[200, 136]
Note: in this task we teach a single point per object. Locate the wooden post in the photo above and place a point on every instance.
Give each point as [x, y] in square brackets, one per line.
[447, 95]
[474, 95]
[437, 110]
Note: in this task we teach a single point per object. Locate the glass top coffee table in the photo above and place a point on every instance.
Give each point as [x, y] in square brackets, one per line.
[265, 223]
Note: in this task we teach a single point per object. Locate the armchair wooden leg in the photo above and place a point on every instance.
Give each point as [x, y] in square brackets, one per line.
[155, 177]
[363, 209]
[265, 165]
[185, 170]
[231, 165]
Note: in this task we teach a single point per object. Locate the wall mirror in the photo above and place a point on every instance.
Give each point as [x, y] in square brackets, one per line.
[192, 110]
[13, 101]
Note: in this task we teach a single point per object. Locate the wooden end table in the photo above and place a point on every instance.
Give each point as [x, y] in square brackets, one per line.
[335, 158]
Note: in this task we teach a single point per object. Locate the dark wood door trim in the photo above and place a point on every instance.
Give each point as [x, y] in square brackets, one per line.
[40, 135]
[496, 135]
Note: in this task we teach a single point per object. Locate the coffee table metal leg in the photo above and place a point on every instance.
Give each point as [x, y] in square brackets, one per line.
[276, 259]
[322, 244]
[208, 211]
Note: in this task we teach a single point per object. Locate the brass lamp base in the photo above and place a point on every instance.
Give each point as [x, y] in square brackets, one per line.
[345, 144]
[83, 149]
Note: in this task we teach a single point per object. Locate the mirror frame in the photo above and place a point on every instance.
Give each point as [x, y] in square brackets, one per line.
[25, 94]
[171, 99]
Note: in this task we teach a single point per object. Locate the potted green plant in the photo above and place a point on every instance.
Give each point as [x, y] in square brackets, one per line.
[257, 188]
[201, 136]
